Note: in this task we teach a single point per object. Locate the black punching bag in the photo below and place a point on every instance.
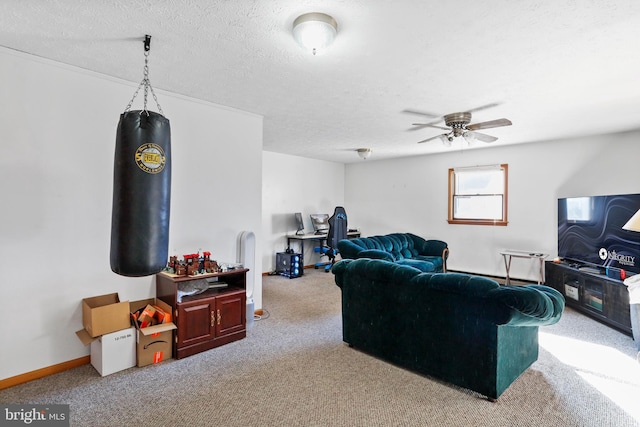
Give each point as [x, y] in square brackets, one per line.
[141, 194]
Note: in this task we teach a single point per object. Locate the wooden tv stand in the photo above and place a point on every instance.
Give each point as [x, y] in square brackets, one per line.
[207, 320]
[592, 293]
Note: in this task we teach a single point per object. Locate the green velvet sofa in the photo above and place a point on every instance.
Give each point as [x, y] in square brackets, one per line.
[401, 248]
[461, 329]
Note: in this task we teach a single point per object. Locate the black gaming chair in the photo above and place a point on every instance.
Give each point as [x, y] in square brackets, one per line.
[337, 232]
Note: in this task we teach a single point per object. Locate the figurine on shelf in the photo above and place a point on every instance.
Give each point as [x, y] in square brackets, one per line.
[192, 264]
[172, 265]
[210, 266]
[181, 269]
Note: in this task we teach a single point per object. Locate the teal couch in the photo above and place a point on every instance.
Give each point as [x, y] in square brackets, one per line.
[401, 248]
[462, 329]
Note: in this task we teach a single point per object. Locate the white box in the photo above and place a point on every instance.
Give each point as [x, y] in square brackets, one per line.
[114, 352]
[571, 292]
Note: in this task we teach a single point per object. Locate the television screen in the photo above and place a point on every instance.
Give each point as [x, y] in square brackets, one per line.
[596, 230]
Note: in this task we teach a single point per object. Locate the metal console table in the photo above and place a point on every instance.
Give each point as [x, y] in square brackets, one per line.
[507, 255]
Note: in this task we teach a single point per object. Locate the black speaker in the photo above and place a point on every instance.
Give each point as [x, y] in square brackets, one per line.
[289, 265]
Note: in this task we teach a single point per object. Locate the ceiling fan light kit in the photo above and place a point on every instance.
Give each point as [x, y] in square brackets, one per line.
[315, 31]
[446, 139]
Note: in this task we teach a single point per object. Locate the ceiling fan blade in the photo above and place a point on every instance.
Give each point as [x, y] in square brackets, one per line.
[417, 126]
[421, 113]
[489, 124]
[432, 138]
[484, 107]
[472, 137]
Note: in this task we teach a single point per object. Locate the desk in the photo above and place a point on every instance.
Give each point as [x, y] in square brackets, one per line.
[508, 254]
[314, 237]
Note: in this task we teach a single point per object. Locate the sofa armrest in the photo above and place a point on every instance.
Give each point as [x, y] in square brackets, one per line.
[436, 247]
[339, 269]
[430, 247]
[529, 305]
[348, 249]
[556, 298]
[445, 255]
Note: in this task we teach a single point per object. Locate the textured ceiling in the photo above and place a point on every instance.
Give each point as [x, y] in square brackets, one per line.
[557, 68]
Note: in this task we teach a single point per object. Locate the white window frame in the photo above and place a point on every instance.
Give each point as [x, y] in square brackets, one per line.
[455, 196]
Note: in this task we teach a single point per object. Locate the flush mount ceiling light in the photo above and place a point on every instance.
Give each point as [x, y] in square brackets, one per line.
[364, 153]
[314, 31]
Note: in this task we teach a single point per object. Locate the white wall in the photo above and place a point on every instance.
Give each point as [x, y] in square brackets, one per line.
[296, 184]
[410, 195]
[58, 128]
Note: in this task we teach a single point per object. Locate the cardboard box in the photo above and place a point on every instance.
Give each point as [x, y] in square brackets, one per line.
[102, 315]
[154, 343]
[114, 352]
[147, 316]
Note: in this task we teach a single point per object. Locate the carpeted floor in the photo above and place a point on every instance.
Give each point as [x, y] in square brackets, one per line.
[294, 370]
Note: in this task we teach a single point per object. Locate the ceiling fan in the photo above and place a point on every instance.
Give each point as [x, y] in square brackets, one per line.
[458, 125]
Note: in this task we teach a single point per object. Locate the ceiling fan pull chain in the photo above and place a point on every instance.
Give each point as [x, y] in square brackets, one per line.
[146, 83]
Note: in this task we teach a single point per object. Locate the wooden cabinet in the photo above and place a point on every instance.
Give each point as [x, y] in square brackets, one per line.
[208, 319]
[594, 294]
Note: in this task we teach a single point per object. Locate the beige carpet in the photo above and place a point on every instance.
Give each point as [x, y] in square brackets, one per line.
[294, 370]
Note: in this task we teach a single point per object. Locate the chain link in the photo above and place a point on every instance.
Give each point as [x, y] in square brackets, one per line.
[147, 87]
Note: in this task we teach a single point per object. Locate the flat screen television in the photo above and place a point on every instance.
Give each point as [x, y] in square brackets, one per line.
[592, 230]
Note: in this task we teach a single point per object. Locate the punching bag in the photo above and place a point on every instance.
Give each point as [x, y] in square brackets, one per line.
[141, 194]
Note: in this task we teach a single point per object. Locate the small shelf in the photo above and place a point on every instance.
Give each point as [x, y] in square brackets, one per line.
[210, 293]
[593, 295]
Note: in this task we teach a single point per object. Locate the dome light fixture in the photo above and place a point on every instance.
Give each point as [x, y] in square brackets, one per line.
[314, 31]
[364, 153]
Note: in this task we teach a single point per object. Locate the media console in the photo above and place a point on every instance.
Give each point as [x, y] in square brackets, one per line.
[588, 290]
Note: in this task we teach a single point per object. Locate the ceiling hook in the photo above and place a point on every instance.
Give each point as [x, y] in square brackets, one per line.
[147, 43]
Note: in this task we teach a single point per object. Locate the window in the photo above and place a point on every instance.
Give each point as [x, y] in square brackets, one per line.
[579, 209]
[478, 195]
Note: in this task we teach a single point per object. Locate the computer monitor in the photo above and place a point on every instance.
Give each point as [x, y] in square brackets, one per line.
[299, 223]
[320, 223]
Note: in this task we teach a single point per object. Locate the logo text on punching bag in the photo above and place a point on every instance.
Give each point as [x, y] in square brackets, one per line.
[150, 158]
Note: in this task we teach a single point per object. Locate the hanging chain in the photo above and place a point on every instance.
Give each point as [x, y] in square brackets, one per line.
[145, 79]
[147, 87]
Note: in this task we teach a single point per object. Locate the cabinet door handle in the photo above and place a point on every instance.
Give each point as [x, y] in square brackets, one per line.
[219, 317]
[213, 319]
